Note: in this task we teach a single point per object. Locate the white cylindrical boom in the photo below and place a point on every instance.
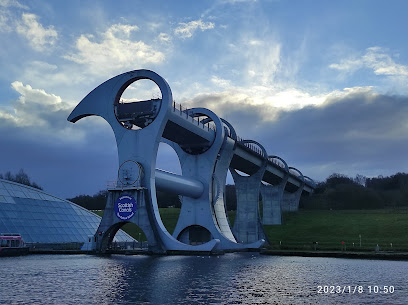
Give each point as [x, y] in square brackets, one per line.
[176, 184]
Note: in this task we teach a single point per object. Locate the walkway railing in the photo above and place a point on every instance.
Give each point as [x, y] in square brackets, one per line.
[129, 245]
[188, 115]
[209, 125]
[277, 162]
[250, 146]
[205, 124]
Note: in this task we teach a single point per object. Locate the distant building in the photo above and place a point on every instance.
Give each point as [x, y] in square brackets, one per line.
[47, 221]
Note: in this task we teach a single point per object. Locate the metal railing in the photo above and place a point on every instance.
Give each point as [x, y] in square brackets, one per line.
[54, 246]
[346, 245]
[277, 162]
[188, 115]
[294, 172]
[310, 180]
[129, 245]
[207, 125]
[253, 147]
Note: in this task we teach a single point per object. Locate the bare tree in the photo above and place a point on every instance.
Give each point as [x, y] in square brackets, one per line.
[21, 177]
[360, 179]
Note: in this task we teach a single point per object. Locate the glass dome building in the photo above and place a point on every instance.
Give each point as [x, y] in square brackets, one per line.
[43, 219]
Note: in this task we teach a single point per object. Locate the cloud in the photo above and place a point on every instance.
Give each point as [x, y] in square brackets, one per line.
[266, 101]
[4, 27]
[382, 63]
[255, 58]
[7, 17]
[121, 29]
[356, 130]
[264, 59]
[46, 75]
[186, 30]
[36, 96]
[39, 37]
[38, 110]
[65, 166]
[35, 135]
[223, 83]
[164, 37]
[376, 59]
[115, 51]
[12, 3]
[353, 131]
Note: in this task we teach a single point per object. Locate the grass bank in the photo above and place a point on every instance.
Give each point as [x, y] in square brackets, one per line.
[301, 230]
[387, 228]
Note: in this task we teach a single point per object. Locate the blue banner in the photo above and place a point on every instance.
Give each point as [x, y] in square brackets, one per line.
[125, 207]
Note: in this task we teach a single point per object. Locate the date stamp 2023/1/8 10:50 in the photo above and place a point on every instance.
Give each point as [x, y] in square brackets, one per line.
[355, 289]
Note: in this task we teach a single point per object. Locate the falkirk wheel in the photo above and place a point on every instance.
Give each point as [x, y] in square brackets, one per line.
[205, 154]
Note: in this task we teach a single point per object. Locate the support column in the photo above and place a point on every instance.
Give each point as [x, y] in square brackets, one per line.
[247, 226]
[271, 200]
[205, 217]
[291, 200]
[272, 196]
[134, 203]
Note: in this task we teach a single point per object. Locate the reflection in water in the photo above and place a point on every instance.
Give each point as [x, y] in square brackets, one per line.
[246, 278]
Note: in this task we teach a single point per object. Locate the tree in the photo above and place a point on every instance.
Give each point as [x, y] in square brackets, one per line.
[342, 192]
[21, 177]
[337, 179]
[95, 202]
[360, 179]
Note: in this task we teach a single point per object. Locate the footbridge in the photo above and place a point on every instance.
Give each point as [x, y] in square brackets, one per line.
[207, 147]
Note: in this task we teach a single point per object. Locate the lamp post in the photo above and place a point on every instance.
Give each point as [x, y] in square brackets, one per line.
[360, 239]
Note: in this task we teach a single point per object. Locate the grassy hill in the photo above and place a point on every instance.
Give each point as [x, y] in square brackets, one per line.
[328, 228]
[387, 228]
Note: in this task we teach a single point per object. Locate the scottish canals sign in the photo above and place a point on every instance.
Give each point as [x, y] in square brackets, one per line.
[125, 207]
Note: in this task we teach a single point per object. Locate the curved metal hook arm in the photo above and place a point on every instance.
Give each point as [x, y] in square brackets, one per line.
[264, 153]
[209, 119]
[231, 128]
[310, 180]
[300, 173]
[219, 130]
[279, 158]
[262, 168]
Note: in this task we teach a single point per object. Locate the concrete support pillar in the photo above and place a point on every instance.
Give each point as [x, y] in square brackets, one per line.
[111, 221]
[271, 201]
[247, 226]
[272, 195]
[290, 202]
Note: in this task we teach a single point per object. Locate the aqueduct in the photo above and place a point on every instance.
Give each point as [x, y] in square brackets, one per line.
[207, 147]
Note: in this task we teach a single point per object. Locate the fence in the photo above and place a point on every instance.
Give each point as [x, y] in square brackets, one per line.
[352, 246]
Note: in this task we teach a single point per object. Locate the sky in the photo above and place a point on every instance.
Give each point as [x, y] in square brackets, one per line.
[322, 84]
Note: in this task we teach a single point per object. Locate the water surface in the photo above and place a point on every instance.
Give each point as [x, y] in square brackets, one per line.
[244, 278]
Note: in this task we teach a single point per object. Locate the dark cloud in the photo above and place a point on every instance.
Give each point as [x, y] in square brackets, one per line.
[62, 167]
[355, 133]
[360, 132]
